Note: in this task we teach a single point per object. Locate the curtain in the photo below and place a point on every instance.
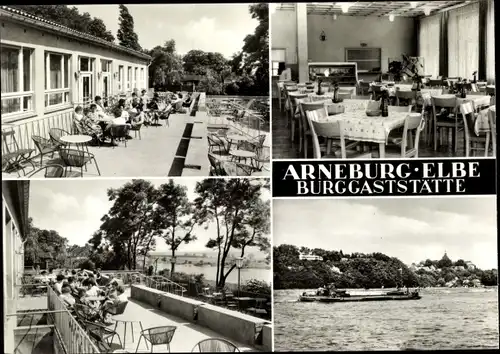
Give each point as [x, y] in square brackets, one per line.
[463, 41]
[55, 71]
[443, 44]
[9, 70]
[428, 44]
[490, 42]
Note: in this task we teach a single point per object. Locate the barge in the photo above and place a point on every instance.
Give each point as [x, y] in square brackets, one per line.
[346, 297]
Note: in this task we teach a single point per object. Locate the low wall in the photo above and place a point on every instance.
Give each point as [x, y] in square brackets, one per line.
[235, 325]
[202, 106]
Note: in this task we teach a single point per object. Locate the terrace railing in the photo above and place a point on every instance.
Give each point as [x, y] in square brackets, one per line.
[70, 334]
[156, 282]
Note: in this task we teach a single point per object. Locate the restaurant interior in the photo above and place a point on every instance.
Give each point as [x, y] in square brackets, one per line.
[383, 79]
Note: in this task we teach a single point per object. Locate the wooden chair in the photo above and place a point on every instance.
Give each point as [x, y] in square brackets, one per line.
[404, 97]
[493, 127]
[306, 127]
[472, 141]
[296, 112]
[363, 88]
[450, 121]
[409, 143]
[349, 150]
[214, 345]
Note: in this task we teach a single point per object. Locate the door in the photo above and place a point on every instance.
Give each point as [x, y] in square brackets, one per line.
[105, 89]
[86, 89]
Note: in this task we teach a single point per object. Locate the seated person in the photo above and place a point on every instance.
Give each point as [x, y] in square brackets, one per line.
[110, 305]
[66, 296]
[59, 283]
[99, 107]
[187, 102]
[143, 100]
[135, 115]
[78, 115]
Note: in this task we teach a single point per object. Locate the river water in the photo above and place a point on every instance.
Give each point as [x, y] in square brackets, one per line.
[459, 318]
[211, 272]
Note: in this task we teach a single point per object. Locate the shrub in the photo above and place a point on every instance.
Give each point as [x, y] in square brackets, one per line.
[257, 286]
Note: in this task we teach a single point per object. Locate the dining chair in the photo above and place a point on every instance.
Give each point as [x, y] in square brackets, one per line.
[404, 97]
[447, 119]
[214, 345]
[306, 127]
[493, 127]
[349, 150]
[119, 132]
[296, 112]
[410, 140]
[467, 110]
[363, 88]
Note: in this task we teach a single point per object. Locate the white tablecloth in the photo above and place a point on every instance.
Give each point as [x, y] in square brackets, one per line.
[482, 123]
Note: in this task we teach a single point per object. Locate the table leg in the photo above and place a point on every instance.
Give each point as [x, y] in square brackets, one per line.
[381, 148]
[125, 333]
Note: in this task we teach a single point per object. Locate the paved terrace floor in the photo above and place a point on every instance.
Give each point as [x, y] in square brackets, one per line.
[186, 336]
[159, 153]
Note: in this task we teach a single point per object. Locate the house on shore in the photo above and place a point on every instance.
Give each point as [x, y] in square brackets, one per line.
[310, 257]
[48, 69]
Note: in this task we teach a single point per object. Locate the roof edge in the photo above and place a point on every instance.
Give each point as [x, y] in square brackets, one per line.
[40, 22]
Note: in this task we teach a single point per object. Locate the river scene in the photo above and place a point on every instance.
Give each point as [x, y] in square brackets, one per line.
[445, 318]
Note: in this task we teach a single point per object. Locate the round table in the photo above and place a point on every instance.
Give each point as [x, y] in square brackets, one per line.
[242, 154]
[235, 137]
[76, 139]
[126, 321]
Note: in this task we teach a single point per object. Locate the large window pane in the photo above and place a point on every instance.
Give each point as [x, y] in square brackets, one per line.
[10, 70]
[84, 64]
[66, 71]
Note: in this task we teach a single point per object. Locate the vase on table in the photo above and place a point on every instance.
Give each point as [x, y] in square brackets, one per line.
[384, 103]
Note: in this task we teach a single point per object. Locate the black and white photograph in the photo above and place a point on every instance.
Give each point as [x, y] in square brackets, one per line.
[384, 79]
[385, 274]
[137, 266]
[131, 90]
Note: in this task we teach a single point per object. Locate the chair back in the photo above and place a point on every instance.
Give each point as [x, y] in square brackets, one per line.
[56, 134]
[9, 142]
[413, 121]
[160, 335]
[405, 94]
[336, 108]
[467, 110]
[216, 165]
[73, 157]
[120, 308]
[119, 131]
[313, 116]
[215, 345]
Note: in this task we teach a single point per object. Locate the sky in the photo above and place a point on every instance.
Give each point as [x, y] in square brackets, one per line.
[208, 27]
[74, 208]
[411, 229]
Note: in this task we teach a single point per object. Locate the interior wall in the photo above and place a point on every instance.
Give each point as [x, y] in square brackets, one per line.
[394, 38]
[284, 36]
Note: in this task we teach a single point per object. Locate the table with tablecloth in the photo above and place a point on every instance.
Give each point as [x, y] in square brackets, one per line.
[357, 126]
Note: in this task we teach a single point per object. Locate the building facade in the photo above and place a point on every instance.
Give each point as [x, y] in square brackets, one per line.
[15, 198]
[48, 69]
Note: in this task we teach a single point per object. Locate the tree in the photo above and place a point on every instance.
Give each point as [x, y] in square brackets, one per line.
[256, 48]
[44, 244]
[174, 213]
[129, 225]
[166, 66]
[241, 218]
[444, 262]
[126, 34]
[70, 17]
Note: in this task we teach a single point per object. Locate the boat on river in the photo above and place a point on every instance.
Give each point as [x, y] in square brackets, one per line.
[343, 296]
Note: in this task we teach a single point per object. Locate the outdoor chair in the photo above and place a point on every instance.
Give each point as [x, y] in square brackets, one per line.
[51, 171]
[13, 157]
[119, 132]
[101, 331]
[44, 146]
[216, 168]
[77, 158]
[262, 157]
[215, 345]
[136, 127]
[157, 336]
[56, 134]
[84, 313]
[165, 116]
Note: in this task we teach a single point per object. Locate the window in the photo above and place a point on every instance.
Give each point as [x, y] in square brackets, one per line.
[56, 79]
[143, 81]
[105, 66]
[120, 78]
[16, 80]
[129, 78]
[277, 58]
[135, 77]
[429, 44]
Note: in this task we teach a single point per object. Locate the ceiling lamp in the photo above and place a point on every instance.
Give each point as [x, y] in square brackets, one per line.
[344, 6]
[334, 17]
[413, 4]
[391, 17]
[427, 11]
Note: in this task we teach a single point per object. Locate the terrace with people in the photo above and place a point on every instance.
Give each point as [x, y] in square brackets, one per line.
[53, 314]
